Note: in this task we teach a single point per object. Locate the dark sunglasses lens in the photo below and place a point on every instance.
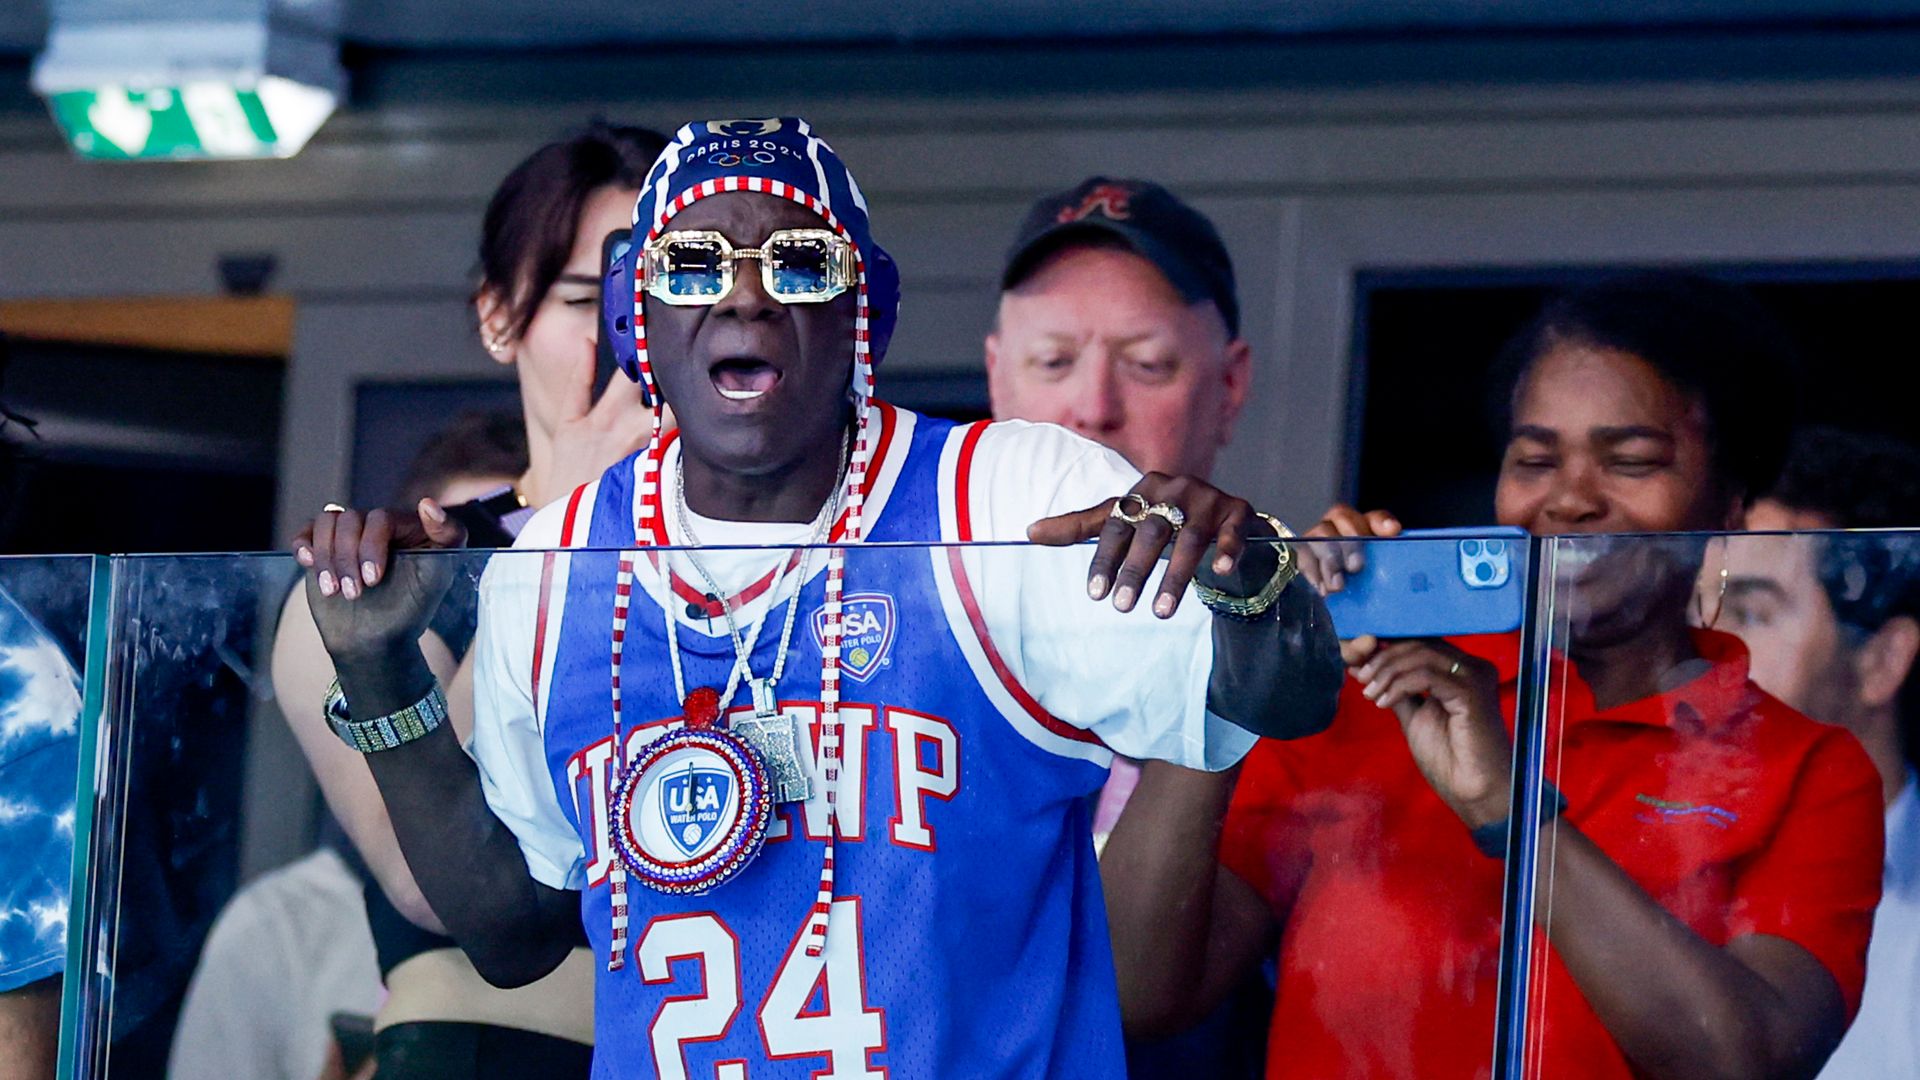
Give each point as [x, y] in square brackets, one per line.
[800, 266]
[695, 268]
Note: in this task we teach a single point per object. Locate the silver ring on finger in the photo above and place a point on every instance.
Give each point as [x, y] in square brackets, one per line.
[333, 508]
[1175, 517]
[1455, 669]
[1140, 508]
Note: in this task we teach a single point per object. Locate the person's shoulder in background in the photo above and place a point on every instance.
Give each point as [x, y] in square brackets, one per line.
[291, 949]
[39, 758]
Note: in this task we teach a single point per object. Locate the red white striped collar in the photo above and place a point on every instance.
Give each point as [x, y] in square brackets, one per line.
[888, 453]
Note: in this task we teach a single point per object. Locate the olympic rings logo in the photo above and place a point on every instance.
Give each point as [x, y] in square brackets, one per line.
[728, 161]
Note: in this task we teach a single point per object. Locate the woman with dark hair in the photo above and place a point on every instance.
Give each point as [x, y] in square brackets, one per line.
[1715, 859]
[538, 303]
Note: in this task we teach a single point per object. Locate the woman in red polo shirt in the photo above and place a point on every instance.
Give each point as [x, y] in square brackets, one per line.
[1708, 891]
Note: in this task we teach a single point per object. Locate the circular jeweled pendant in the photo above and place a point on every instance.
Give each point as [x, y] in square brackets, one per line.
[692, 811]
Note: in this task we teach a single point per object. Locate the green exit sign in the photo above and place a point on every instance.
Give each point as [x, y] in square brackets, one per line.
[192, 122]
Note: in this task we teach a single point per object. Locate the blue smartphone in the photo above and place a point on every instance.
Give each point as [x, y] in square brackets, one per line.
[1435, 583]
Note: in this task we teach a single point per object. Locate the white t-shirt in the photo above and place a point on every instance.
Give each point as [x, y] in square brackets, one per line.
[1884, 1042]
[289, 951]
[1137, 682]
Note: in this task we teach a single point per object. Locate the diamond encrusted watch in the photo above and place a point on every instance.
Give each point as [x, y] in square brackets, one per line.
[388, 732]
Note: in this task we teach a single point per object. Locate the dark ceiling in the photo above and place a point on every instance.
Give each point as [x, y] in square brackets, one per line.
[482, 24]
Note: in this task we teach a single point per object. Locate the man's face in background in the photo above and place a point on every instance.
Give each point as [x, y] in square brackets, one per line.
[1097, 340]
[1776, 604]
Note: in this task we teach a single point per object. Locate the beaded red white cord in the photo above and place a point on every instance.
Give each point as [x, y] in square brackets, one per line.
[647, 530]
[617, 873]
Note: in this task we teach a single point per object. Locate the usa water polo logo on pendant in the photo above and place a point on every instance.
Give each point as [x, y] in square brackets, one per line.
[692, 802]
[692, 811]
[867, 621]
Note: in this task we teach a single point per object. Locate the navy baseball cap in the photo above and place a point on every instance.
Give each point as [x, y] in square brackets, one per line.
[1148, 219]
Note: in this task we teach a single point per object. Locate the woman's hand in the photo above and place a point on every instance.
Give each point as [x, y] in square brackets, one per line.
[589, 436]
[1449, 708]
[365, 604]
[1327, 565]
[1128, 551]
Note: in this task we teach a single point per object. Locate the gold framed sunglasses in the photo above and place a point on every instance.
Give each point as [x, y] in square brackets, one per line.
[797, 266]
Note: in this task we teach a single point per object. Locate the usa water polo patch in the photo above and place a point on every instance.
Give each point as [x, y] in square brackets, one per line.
[869, 619]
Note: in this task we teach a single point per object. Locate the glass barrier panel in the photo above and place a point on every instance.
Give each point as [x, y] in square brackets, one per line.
[198, 791]
[621, 783]
[1388, 917]
[45, 628]
[1725, 762]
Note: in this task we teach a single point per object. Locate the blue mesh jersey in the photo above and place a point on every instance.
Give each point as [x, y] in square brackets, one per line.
[39, 756]
[968, 937]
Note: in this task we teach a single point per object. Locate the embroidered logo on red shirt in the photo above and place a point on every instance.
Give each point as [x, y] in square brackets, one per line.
[1667, 810]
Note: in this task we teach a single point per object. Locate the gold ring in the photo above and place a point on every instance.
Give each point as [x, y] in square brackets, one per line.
[1171, 514]
[333, 508]
[1135, 517]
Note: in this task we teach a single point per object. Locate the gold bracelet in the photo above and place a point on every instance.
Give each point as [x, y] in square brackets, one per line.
[1248, 608]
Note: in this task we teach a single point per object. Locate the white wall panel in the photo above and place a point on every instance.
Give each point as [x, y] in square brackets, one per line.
[374, 224]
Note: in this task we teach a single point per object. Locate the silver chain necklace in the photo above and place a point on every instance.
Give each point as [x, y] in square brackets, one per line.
[743, 645]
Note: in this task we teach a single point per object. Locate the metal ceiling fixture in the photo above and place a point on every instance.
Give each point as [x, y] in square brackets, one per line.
[160, 80]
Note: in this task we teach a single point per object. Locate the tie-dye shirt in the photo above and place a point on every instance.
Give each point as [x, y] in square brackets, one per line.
[39, 741]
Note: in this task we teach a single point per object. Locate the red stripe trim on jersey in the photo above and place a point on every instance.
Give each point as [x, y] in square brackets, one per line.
[573, 514]
[546, 589]
[963, 474]
[962, 514]
[874, 464]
